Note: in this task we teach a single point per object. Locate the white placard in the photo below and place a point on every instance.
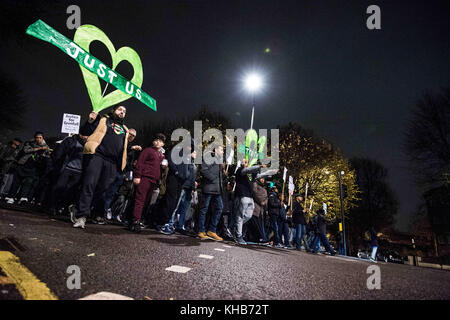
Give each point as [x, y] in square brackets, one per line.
[70, 123]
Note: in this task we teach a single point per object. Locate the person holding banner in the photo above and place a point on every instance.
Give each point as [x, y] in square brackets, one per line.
[298, 218]
[244, 177]
[104, 154]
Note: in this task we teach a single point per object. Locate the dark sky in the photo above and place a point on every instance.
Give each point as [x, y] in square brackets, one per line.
[326, 70]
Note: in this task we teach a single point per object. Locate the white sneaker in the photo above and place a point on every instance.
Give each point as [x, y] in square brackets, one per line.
[9, 200]
[22, 200]
[79, 223]
[109, 214]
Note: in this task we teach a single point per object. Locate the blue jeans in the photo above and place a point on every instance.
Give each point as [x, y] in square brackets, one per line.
[274, 226]
[233, 212]
[183, 205]
[216, 212]
[283, 231]
[300, 234]
[374, 253]
[261, 222]
[322, 238]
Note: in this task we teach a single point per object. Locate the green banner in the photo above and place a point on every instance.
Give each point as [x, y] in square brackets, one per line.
[93, 69]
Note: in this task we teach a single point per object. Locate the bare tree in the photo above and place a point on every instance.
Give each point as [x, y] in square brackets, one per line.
[427, 139]
[13, 106]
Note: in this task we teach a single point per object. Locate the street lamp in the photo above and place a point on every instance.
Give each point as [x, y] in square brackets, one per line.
[253, 83]
[341, 198]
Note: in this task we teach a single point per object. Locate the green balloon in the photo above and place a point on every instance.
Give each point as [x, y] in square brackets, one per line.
[84, 35]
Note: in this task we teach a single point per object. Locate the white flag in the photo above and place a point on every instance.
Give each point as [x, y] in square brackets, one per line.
[284, 174]
[237, 166]
[291, 186]
[230, 157]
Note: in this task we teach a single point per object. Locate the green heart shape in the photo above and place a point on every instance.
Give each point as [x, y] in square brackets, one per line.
[84, 35]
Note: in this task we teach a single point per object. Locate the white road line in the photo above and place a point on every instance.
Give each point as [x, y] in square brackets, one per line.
[219, 249]
[225, 246]
[205, 256]
[179, 269]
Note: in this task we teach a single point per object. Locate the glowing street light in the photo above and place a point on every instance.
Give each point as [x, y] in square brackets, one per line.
[253, 84]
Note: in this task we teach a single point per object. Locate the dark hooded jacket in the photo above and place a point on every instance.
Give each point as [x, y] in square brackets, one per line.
[212, 178]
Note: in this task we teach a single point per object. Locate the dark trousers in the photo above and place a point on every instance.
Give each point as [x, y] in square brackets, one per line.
[112, 190]
[64, 189]
[216, 212]
[144, 192]
[23, 179]
[169, 201]
[255, 229]
[274, 226]
[98, 174]
[283, 230]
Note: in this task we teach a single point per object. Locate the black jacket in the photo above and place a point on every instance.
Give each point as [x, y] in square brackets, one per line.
[244, 176]
[298, 216]
[322, 223]
[212, 178]
[187, 173]
[70, 150]
[274, 204]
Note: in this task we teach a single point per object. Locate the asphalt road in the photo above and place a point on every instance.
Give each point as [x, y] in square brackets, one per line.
[115, 260]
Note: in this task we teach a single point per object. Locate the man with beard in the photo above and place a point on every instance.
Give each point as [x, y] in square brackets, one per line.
[104, 154]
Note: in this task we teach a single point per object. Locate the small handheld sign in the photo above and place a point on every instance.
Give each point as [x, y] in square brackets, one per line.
[70, 123]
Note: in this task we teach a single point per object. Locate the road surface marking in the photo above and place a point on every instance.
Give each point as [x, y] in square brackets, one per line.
[217, 249]
[106, 296]
[5, 280]
[226, 246]
[205, 256]
[30, 287]
[179, 269]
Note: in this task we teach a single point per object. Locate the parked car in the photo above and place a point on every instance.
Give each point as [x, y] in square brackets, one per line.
[389, 256]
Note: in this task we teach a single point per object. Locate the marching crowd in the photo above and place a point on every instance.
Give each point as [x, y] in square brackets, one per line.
[100, 175]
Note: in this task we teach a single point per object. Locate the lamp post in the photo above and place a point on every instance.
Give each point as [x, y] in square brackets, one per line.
[253, 83]
[341, 196]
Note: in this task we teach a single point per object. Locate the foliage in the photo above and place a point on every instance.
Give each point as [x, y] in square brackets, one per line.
[316, 162]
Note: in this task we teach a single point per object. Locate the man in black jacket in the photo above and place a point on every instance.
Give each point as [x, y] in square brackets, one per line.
[244, 177]
[187, 173]
[299, 221]
[322, 232]
[274, 213]
[67, 163]
[212, 193]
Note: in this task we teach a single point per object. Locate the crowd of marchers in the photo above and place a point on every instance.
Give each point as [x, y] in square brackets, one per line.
[100, 176]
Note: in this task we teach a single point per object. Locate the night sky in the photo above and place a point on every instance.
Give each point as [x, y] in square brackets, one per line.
[325, 69]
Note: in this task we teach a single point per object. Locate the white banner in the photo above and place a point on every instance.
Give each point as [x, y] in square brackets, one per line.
[291, 186]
